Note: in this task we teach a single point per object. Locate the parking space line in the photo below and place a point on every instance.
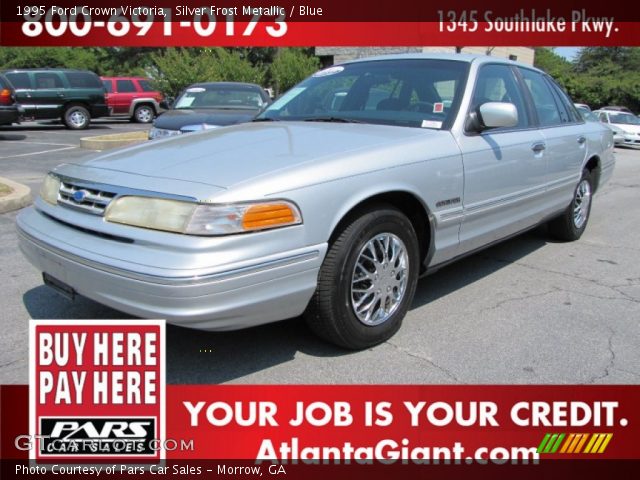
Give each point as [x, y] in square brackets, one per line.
[39, 153]
[39, 143]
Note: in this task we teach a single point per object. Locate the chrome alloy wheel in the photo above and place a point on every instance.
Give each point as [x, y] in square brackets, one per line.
[581, 203]
[379, 279]
[77, 119]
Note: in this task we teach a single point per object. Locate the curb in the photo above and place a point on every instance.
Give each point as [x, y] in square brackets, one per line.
[115, 140]
[19, 198]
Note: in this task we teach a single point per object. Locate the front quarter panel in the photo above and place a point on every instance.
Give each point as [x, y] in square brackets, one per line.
[430, 169]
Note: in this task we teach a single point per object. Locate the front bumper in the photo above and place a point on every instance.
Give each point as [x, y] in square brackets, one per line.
[247, 293]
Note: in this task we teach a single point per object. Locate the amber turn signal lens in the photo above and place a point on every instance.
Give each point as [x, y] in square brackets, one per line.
[269, 215]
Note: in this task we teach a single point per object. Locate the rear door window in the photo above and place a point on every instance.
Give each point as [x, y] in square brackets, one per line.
[543, 101]
[108, 86]
[48, 80]
[572, 113]
[125, 86]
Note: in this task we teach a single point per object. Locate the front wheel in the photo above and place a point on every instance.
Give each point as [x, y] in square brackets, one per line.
[367, 281]
[573, 222]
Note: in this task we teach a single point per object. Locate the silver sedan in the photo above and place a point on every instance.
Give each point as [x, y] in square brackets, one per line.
[332, 203]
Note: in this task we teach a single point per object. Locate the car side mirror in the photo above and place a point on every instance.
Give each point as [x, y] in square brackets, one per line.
[497, 114]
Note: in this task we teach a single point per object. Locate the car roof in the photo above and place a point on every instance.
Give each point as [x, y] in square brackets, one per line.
[47, 69]
[226, 84]
[125, 78]
[460, 57]
[613, 112]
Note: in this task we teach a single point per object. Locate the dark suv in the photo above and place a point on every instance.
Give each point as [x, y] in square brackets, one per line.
[9, 112]
[74, 96]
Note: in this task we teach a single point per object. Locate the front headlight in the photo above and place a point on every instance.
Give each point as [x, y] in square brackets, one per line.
[197, 128]
[202, 219]
[50, 189]
[162, 133]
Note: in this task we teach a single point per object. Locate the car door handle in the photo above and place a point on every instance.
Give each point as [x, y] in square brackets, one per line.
[581, 139]
[538, 147]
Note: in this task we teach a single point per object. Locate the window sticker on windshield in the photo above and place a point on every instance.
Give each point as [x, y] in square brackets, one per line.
[185, 102]
[290, 95]
[438, 107]
[196, 90]
[431, 124]
[328, 71]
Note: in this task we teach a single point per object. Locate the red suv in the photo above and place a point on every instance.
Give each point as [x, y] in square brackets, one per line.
[133, 97]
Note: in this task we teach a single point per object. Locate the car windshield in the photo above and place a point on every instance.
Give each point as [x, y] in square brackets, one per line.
[408, 92]
[225, 98]
[624, 119]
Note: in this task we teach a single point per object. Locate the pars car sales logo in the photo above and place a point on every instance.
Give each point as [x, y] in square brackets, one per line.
[97, 390]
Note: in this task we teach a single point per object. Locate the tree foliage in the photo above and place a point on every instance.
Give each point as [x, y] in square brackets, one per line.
[54, 57]
[290, 66]
[599, 76]
[175, 68]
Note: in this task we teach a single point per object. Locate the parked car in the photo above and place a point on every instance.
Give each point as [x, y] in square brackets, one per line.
[582, 105]
[628, 123]
[589, 116]
[204, 106]
[331, 213]
[617, 109]
[74, 96]
[9, 111]
[134, 97]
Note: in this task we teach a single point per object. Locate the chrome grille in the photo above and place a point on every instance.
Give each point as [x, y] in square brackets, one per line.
[90, 200]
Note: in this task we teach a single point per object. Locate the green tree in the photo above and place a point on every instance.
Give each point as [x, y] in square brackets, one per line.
[290, 66]
[53, 57]
[599, 76]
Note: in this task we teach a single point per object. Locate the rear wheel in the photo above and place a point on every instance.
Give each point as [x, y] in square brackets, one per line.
[573, 222]
[144, 114]
[367, 281]
[76, 117]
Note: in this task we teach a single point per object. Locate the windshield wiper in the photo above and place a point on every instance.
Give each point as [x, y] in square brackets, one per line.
[332, 120]
[265, 119]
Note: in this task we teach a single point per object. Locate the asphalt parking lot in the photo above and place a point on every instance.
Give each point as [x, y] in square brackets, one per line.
[529, 310]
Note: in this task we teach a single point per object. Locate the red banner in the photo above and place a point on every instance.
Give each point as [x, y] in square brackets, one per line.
[323, 23]
[393, 424]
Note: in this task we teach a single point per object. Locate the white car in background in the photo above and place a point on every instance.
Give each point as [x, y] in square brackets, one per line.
[589, 116]
[628, 123]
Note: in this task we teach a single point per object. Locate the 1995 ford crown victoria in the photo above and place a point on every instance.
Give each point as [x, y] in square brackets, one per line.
[330, 203]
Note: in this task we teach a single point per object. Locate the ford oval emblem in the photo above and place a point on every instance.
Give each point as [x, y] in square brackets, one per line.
[80, 195]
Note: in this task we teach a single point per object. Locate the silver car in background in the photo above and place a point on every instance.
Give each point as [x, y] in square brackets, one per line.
[332, 203]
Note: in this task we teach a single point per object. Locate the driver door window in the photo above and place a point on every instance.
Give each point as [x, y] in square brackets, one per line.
[497, 83]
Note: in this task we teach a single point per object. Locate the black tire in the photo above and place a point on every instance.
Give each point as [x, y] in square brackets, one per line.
[330, 313]
[573, 222]
[76, 117]
[143, 114]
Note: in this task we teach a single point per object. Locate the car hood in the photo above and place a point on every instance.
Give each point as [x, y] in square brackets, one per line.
[626, 128]
[177, 119]
[229, 156]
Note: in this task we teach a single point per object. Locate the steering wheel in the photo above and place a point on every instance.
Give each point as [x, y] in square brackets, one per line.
[424, 107]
